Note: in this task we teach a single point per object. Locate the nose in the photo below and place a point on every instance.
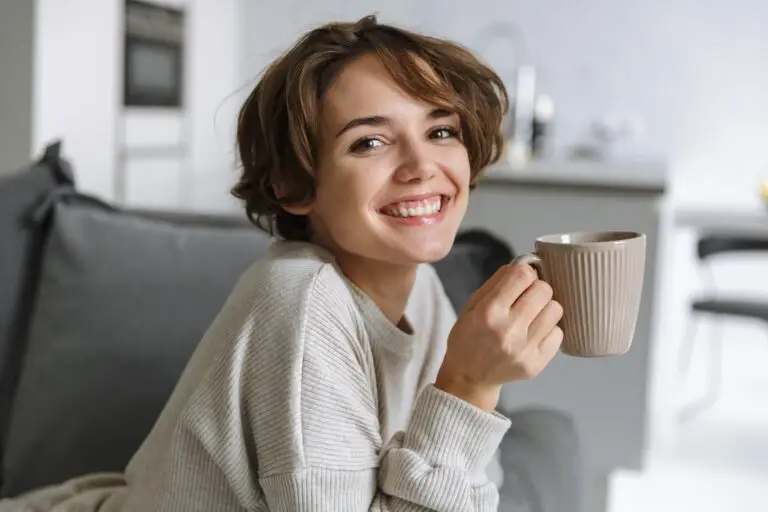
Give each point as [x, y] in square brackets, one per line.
[416, 164]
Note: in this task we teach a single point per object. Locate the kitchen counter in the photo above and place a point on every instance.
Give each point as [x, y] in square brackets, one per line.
[722, 219]
[621, 177]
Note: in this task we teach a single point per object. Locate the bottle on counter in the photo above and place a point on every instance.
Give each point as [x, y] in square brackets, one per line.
[522, 116]
[541, 126]
[531, 120]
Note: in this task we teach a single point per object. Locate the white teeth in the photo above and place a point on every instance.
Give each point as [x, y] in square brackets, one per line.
[421, 210]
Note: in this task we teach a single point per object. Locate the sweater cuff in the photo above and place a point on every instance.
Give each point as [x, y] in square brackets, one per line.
[447, 431]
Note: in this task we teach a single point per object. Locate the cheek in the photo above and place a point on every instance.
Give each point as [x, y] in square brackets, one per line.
[464, 177]
[343, 198]
[459, 171]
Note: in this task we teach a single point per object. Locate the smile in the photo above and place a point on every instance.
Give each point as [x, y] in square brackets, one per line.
[425, 207]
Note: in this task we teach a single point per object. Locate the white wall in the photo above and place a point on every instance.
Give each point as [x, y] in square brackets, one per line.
[76, 86]
[16, 43]
[268, 28]
[215, 90]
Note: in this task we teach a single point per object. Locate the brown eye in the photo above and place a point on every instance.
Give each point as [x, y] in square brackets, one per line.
[365, 144]
[444, 132]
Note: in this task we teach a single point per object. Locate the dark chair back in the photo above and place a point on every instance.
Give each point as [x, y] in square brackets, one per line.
[475, 256]
[711, 245]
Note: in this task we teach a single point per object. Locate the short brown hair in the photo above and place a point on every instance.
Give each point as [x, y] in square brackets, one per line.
[277, 132]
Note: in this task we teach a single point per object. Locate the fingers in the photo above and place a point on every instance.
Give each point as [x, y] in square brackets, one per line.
[532, 302]
[513, 283]
[550, 345]
[537, 357]
[504, 286]
[481, 292]
[544, 322]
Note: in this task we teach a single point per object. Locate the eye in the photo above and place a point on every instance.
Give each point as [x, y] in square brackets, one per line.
[365, 144]
[444, 132]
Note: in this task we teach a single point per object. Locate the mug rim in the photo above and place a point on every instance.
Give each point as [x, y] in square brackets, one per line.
[622, 237]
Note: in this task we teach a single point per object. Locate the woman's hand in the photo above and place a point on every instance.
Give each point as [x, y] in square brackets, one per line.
[507, 331]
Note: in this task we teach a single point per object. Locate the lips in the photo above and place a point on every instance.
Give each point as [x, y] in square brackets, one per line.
[422, 207]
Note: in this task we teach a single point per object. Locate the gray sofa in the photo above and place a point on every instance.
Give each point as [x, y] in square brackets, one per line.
[100, 309]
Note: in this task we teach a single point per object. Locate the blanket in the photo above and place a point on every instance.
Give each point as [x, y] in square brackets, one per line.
[100, 492]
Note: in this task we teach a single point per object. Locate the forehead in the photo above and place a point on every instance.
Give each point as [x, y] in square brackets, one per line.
[364, 87]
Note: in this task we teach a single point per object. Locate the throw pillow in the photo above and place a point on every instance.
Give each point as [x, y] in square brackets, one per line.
[21, 242]
[122, 303]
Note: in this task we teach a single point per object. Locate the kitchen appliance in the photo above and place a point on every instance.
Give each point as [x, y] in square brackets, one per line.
[154, 55]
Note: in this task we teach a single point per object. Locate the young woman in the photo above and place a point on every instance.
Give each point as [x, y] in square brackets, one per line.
[337, 377]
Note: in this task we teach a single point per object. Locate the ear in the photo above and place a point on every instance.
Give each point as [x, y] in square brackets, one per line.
[298, 209]
[293, 209]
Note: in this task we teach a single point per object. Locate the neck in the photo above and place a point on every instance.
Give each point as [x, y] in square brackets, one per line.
[388, 285]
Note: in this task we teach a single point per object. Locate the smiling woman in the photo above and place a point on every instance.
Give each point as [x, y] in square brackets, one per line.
[365, 139]
[337, 376]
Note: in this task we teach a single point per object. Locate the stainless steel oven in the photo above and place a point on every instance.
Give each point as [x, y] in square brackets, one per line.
[154, 56]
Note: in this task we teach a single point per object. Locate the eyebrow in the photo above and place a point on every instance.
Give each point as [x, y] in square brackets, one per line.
[438, 113]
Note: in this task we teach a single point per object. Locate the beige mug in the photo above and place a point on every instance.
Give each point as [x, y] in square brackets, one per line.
[598, 279]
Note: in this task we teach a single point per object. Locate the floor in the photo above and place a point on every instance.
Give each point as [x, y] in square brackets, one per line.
[719, 461]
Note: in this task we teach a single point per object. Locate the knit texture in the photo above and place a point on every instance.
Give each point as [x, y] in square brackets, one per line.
[302, 396]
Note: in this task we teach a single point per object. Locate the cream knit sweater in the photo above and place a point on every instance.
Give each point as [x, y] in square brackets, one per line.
[302, 396]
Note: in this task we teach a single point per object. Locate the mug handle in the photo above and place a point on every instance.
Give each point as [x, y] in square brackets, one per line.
[532, 259]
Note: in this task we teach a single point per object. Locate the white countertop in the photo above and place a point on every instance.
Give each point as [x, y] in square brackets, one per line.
[723, 218]
[651, 176]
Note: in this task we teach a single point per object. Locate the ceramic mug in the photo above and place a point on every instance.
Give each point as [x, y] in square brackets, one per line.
[598, 278]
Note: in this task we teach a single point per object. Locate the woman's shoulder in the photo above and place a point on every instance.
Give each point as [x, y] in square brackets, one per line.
[290, 278]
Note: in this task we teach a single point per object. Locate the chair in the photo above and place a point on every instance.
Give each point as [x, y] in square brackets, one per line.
[707, 247]
[543, 463]
[475, 256]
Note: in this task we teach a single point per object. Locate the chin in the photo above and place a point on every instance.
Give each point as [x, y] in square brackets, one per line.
[427, 253]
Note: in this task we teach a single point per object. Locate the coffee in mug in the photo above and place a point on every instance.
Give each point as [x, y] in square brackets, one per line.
[598, 279]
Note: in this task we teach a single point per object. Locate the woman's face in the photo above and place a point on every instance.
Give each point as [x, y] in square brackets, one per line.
[393, 175]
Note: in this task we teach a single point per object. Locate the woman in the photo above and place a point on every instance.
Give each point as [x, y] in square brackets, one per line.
[336, 377]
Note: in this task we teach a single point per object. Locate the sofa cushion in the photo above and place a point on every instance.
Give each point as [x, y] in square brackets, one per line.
[123, 301]
[21, 241]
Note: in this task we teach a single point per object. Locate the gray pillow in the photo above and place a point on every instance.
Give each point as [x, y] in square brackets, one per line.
[21, 241]
[123, 301]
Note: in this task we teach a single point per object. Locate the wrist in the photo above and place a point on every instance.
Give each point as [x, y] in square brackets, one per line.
[485, 397]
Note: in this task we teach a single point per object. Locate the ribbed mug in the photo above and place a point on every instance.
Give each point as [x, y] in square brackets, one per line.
[598, 279]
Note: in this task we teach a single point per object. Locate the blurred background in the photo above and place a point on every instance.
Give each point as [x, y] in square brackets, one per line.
[644, 115]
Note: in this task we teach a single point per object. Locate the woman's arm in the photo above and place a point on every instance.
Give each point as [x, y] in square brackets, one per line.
[436, 464]
[321, 449]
